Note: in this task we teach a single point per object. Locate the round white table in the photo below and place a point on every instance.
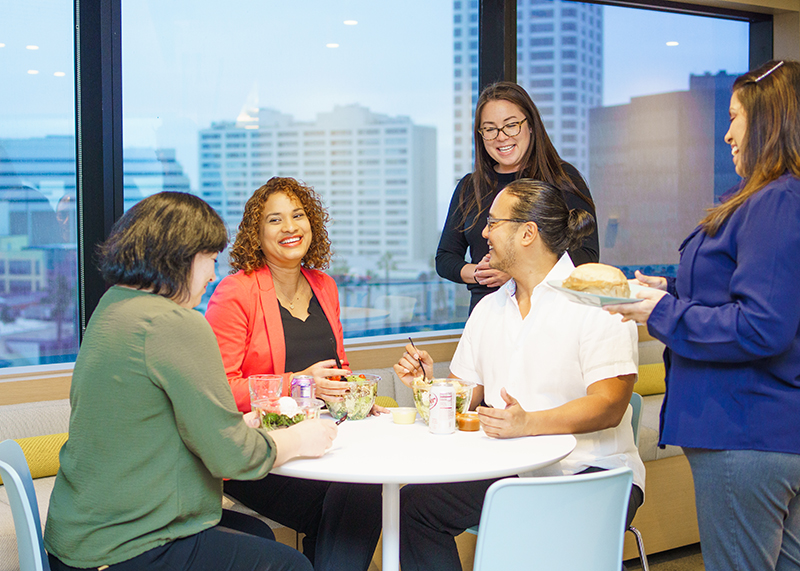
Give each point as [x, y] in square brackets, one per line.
[377, 451]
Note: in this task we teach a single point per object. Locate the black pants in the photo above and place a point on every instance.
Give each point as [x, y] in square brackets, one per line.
[238, 542]
[432, 515]
[342, 522]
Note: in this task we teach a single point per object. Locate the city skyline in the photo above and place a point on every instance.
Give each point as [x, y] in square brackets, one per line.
[176, 46]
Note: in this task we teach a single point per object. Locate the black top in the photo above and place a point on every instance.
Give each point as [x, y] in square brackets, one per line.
[457, 237]
[309, 341]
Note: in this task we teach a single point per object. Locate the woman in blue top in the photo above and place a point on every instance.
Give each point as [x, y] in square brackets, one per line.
[731, 324]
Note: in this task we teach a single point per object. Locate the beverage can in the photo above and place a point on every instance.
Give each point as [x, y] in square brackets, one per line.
[303, 387]
[442, 400]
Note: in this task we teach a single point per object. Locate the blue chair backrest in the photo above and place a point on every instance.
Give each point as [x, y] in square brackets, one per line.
[636, 419]
[561, 522]
[22, 498]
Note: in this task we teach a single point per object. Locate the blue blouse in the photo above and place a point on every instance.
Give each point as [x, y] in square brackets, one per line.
[733, 330]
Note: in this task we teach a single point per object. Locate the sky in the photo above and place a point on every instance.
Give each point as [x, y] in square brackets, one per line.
[187, 64]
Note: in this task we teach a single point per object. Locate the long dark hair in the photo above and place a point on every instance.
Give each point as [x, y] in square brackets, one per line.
[154, 244]
[540, 161]
[559, 227]
[770, 98]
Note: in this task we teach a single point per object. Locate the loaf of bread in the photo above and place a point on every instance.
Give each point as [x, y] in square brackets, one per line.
[600, 279]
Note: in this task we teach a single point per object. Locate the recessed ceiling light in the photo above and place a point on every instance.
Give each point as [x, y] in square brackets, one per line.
[31, 47]
[2, 45]
[59, 74]
[33, 72]
[351, 22]
[331, 45]
[672, 44]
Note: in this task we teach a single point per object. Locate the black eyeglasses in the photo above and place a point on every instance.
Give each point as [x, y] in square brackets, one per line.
[492, 222]
[509, 130]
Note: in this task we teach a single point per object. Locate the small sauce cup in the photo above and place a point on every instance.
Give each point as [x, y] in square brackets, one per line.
[468, 421]
[404, 414]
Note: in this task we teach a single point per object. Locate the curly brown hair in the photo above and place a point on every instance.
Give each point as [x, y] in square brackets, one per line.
[246, 253]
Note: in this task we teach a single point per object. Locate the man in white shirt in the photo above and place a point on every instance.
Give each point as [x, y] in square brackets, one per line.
[542, 364]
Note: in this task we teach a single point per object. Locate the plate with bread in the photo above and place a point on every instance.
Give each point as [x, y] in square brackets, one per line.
[598, 285]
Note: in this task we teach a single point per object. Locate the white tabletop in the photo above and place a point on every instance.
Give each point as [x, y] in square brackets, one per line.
[377, 451]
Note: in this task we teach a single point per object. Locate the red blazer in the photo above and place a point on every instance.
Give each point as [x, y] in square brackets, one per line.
[245, 317]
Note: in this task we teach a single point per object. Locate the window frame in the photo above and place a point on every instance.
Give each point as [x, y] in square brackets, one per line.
[98, 136]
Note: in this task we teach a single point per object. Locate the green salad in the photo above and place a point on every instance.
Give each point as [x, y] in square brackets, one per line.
[422, 395]
[358, 402]
[272, 420]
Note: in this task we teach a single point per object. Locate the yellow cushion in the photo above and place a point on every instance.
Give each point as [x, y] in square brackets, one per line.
[385, 401]
[651, 380]
[41, 452]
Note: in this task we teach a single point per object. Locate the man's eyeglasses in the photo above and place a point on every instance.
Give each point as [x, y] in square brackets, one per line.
[492, 222]
[510, 130]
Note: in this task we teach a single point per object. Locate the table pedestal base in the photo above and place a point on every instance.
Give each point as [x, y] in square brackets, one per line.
[391, 527]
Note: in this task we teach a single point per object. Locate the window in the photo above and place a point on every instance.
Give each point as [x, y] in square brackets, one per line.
[203, 96]
[38, 222]
[642, 217]
[208, 93]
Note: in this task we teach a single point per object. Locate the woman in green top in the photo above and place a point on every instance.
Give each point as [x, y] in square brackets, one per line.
[154, 427]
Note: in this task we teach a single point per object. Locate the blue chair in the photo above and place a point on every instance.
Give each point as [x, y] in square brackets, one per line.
[636, 421]
[22, 497]
[559, 522]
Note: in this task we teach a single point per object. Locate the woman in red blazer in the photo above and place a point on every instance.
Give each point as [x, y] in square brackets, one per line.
[278, 314]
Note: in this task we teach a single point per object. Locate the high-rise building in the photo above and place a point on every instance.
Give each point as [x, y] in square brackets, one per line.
[38, 240]
[376, 175]
[559, 63]
[657, 163]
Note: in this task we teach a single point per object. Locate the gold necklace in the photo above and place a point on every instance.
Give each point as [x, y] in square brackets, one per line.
[296, 298]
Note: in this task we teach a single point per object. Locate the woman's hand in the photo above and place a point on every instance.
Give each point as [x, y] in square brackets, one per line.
[407, 368]
[252, 420]
[378, 410]
[638, 312]
[487, 275]
[656, 282]
[326, 388]
[315, 436]
[310, 438]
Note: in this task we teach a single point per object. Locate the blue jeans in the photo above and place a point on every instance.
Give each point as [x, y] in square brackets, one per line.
[748, 508]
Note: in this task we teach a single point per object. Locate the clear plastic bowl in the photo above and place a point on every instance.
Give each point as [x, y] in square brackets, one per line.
[363, 389]
[272, 419]
[422, 388]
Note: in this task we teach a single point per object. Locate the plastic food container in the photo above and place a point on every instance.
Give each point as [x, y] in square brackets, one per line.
[422, 388]
[357, 403]
[273, 416]
[404, 414]
[468, 422]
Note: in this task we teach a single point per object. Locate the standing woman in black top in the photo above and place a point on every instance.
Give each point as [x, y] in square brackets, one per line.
[510, 143]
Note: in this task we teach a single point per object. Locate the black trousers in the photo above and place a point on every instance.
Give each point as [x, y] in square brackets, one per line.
[342, 522]
[238, 542]
[432, 515]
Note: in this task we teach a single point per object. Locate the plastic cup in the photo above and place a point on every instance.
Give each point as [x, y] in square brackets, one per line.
[404, 414]
[265, 388]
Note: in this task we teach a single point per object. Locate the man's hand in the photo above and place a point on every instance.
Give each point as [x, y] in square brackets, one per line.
[510, 422]
[408, 368]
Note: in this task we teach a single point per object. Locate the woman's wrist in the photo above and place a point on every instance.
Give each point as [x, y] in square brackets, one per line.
[468, 273]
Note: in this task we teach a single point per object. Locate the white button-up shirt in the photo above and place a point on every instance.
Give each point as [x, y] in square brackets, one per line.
[550, 358]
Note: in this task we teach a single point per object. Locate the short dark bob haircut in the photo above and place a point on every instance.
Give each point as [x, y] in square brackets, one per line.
[153, 245]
